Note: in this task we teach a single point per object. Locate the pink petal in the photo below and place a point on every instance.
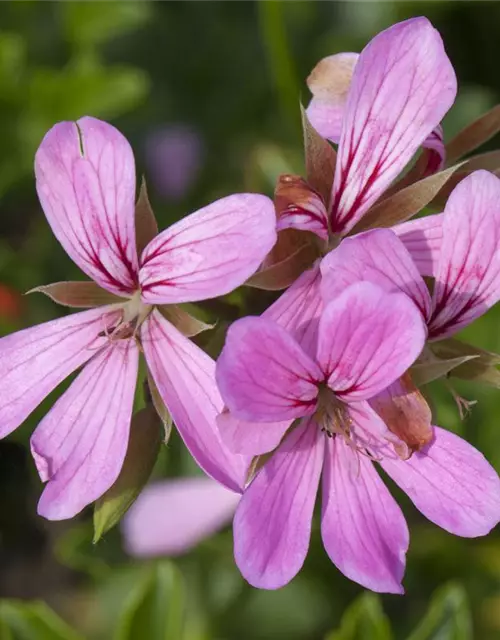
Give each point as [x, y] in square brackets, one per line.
[185, 377]
[376, 256]
[363, 529]
[272, 525]
[250, 438]
[173, 516]
[85, 175]
[308, 215]
[452, 484]
[210, 252]
[434, 143]
[80, 445]
[264, 375]
[402, 86]
[367, 339]
[34, 361]
[299, 308]
[423, 238]
[468, 271]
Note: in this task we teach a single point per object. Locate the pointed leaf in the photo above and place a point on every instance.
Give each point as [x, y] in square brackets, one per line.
[183, 321]
[448, 617]
[320, 159]
[160, 408]
[82, 295]
[146, 227]
[474, 135]
[364, 619]
[142, 451]
[425, 372]
[404, 204]
[481, 366]
[282, 274]
[34, 621]
[156, 608]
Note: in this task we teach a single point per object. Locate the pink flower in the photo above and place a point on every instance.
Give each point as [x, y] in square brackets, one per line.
[171, 517]
[366, 340]
[468, 268]
[381, 106]
[86, 183]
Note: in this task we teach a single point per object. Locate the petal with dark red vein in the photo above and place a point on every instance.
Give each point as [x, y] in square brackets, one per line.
[422, 238]
[185, 378]
[403, 84]
[80, 445]
[34, 361]
[85, 179]
[209, 253]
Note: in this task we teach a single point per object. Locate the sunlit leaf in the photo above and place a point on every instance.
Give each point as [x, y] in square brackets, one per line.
[81, 295]
[448, 617]
[142, 451]
[183, 321]
[481, 367]
[156, 608]
[363, 620]
[425, 372]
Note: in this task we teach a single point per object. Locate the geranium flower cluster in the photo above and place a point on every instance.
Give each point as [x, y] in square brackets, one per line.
[323, 386]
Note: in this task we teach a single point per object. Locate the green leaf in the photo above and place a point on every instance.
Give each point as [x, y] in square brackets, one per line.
[91, 23]
[142, 451]
[448, 617]
[481, 368]
[363, 620]
[320, 159]
[425, 372]
[146, 227]
[32, 621]
[156, 609]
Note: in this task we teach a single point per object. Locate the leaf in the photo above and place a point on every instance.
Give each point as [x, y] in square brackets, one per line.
[146, 227]
[33, 621]
[363, 620]
[88, 23]
[156, 608]
[480, 368]
[183, 321]
[425, 372]
[282, 274]
[404, 204]
[448, 617]
[160, 407]
[474, 135]
[320, 159]
[142, 451]
[82, 295]
[489, 161]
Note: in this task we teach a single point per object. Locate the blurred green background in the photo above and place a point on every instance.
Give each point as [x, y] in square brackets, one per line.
[208, 94]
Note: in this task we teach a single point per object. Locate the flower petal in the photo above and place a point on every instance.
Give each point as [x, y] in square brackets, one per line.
[172, 516]
[376, 256]
[210, 252]
[422, 238]
[402, 86]
[452, 484]
[272, 525]
[80, 445]
[185, 377]
[250, 438]
[363, 529]
[299, 308]
[434, 143]
[468, 272]
[34, 361]
[367, 339]
[85, 174]
[264, 375]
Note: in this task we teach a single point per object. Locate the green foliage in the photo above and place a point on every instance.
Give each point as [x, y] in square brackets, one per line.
[364, 620]
[32, 621]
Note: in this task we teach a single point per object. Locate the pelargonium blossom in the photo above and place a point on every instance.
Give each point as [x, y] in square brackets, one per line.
[366, 339]
[402, 85]
[85, 178]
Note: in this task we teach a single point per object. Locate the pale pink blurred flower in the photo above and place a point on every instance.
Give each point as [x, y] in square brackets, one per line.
[86, 184]
[171, 517]
[174, 156]
[367, 339]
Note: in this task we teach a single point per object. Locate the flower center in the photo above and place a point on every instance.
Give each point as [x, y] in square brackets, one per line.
[332, 415]
[134, 314]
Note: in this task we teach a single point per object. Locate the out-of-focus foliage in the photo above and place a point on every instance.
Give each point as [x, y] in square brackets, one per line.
[214, 87]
